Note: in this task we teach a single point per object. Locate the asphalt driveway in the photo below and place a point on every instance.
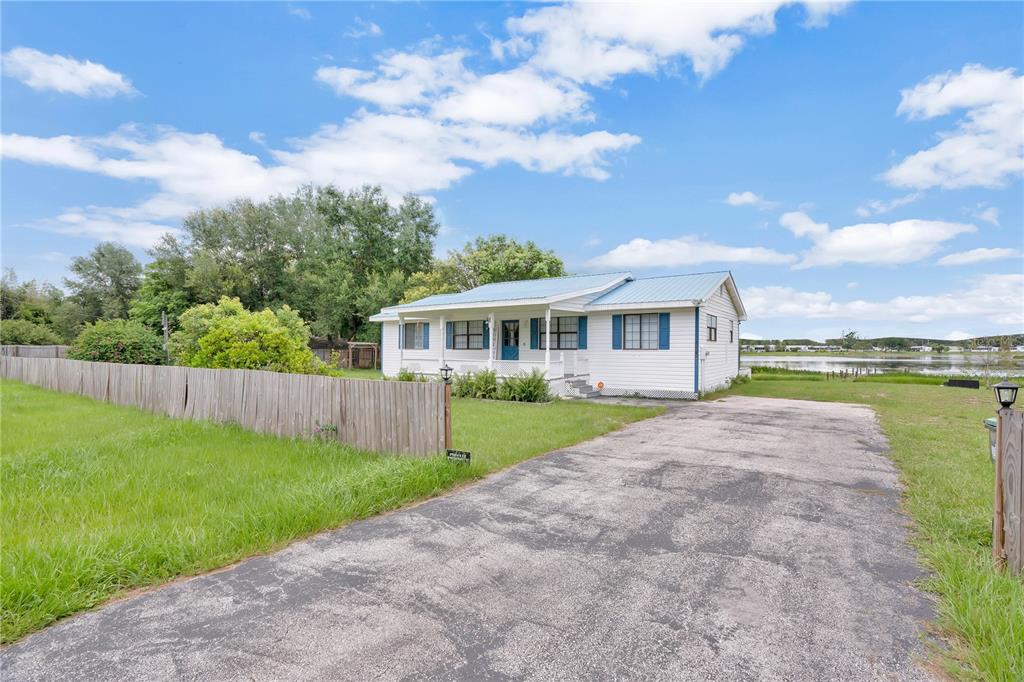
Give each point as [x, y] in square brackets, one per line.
[742, 539]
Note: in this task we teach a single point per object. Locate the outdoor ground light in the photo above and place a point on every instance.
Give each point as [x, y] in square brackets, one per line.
[446, 373]
[1006, 393]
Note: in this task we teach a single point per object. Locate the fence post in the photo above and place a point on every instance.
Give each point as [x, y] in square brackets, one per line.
[998, 533]
[447, 415]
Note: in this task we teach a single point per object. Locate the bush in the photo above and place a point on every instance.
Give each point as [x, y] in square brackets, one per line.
[226, 335]
[120, 341]
[526, 388]
[25, 333]
[483, 384]
[406, 375]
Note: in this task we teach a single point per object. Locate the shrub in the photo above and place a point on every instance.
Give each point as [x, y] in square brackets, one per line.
[23, 332]
[226, 335]
[526, 388]
[406, 375]
[120, 341]
[482, 384]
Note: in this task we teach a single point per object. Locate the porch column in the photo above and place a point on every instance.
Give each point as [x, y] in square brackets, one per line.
[491, 345]
[444, 341]
[547, 340]
[401, 346]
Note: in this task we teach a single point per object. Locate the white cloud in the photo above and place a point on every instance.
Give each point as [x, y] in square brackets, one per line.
[820, 11]
[300, 12]
[749, 336]
[997, 298]
[852, 285]
[364, 28]
[41, 71]
[745, 199]
[402, 153]
[686, 250]
[959, 336]
[989, 215]
[517, 97]
[878, 207]
[985, 149]
[978, 256]
[595, 42]
[904, 241]
[401, 78]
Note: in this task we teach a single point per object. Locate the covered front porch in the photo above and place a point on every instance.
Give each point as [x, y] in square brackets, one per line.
[509, 341]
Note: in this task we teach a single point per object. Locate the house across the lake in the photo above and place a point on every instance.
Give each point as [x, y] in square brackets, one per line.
[614, 334]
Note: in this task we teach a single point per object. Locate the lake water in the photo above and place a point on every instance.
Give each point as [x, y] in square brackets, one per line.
[972, 364]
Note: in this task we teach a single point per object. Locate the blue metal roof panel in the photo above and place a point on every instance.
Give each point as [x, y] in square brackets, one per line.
[526, 289]
[658, 289]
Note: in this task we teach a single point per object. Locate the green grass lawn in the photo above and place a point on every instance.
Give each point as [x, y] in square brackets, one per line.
[356, 373]
[98, 499]
[941, 448]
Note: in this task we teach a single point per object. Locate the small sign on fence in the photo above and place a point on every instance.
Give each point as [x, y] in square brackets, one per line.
[458, 456]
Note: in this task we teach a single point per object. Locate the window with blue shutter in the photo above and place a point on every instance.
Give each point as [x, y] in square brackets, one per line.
[487, 334]
[426, 336]
[616, 332]
[582, 325]
[534, 333]
[401, 334]
[448, 335]
[663, 334]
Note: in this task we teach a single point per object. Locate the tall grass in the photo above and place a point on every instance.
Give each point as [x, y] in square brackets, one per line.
[98, 499]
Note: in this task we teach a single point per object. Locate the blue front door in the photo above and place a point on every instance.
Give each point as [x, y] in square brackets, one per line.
[510, 339]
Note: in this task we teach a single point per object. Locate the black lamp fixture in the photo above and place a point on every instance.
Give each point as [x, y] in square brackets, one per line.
[446, 373]
[1006, 393]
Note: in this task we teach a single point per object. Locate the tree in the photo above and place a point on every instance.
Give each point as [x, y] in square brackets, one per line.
[849, 339]
[496, 258]
[122, 341]
[24, 332]
[106, 281]
[226, 335]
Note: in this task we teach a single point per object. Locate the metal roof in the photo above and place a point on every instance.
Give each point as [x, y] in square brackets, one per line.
[695, 287]
[522, 290]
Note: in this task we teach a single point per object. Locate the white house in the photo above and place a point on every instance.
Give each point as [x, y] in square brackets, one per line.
[613, 334]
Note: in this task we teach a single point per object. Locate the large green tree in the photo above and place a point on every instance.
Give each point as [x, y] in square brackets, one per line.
[495, 258]
[105, 281]
[329, 254]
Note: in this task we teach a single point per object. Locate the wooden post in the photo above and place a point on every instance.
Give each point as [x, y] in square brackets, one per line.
[447, 415]
[998, 533]
[167, 334]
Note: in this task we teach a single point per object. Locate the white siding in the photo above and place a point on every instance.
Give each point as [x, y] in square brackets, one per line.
[389, 349]
[659, 373]
[720, 358]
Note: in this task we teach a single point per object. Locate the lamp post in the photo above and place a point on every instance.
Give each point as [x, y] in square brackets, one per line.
[1006, 395]
[446, 376]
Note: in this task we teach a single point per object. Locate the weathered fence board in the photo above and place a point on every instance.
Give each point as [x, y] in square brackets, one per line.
[386, 416]
[34, 351]
[1013, 495]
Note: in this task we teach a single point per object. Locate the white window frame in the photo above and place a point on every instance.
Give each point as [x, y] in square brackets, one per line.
[646, 328]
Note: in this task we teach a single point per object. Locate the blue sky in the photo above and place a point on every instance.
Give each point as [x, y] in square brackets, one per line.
[855, 165]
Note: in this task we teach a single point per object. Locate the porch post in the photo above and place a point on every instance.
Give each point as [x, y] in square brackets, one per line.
[547, 340]
[401, 346]
[444, 340]
[490, 342]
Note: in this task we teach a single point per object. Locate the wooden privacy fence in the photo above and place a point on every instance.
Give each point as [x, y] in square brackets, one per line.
[1008, 533]
[386, 416]
[35, 351]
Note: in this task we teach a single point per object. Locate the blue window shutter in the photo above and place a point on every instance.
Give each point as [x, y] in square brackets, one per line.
[534, 333]
[401, 335]
[426, 336]
[663, 331]
[696, 350]
[448, 335]
[487, 335]
[616, 332]
[582, 329]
